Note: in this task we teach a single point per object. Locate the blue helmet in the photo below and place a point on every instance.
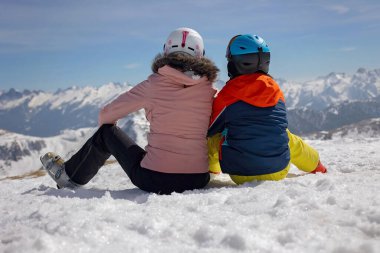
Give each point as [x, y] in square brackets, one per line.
[247, 54]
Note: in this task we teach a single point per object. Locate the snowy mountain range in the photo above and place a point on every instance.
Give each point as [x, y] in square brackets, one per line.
[322, 104]
[332, 89]
[364, 129]
[325, 104]
[307, 120]
[332, 101]
[43, 114]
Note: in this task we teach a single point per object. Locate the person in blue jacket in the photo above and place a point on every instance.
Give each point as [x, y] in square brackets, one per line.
[248, 131]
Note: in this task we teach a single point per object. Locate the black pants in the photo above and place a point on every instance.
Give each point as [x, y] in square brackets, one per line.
[111, 140]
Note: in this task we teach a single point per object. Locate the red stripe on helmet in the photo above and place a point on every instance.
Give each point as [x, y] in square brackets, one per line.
[184, 36]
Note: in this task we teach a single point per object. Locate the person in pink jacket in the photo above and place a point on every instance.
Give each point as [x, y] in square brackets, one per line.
[177, 99]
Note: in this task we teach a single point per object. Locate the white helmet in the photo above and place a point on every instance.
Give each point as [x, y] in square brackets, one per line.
[185, 40]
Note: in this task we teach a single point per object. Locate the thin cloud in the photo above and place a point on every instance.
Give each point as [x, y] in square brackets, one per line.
[340, 9]
[347, 49]
[132, 65]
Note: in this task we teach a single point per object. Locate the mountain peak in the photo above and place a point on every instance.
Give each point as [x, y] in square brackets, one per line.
[11, 94]
[335, 76]
[361, 71]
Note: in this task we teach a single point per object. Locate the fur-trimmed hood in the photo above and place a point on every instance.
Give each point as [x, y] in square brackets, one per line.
[183, 62]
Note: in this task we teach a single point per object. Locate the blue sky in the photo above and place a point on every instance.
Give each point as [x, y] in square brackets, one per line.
[51, 44]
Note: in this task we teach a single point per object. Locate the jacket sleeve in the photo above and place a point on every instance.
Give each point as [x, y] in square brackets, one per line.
[217, 126]
[130, 101]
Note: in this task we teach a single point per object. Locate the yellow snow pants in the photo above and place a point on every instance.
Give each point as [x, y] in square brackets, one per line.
[302, 155]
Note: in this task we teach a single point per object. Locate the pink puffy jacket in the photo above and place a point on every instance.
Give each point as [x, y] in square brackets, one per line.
[178, 108]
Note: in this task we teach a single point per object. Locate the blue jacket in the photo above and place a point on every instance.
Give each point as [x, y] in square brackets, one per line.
[250, 113]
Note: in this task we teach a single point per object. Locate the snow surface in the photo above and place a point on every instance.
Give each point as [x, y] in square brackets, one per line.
[336, 212]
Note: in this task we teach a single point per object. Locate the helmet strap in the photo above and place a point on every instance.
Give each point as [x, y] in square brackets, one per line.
[232, 70]
[260, 49]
